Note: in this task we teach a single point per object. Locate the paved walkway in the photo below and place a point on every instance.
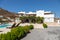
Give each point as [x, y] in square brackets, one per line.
[51, 33]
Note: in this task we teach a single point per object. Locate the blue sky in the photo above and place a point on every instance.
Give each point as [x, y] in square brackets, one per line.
[31, 5]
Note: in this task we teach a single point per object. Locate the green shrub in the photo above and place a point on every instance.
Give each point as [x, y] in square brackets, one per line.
[8, 36]
[44, 25]
[22, 33]
[31, 27]
[16, 33]
[26, 29]
[3, 37]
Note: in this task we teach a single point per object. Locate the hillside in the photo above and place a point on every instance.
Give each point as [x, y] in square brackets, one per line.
[6, 13]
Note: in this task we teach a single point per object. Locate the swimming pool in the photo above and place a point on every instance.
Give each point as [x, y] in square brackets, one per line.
[4, 25]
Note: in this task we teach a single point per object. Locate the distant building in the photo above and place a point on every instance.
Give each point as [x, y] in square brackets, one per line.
[57, 20]
[48, 15]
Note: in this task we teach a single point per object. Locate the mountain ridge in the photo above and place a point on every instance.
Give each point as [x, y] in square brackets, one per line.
[6, 13]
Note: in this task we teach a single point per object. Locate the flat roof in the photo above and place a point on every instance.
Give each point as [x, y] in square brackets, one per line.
[47, 13]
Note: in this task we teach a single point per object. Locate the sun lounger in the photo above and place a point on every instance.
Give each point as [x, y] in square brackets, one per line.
[17, 25]
[14, 25]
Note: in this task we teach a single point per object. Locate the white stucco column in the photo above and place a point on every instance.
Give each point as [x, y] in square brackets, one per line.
[58, 21]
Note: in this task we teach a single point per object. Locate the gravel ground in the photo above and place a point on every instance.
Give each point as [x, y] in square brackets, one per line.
[50, 33]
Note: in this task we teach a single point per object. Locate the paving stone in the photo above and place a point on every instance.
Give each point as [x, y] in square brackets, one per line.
[50, 33]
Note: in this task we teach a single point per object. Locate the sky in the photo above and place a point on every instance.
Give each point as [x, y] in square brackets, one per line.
[31, 5]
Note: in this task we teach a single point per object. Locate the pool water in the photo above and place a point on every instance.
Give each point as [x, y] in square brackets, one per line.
[4, 25]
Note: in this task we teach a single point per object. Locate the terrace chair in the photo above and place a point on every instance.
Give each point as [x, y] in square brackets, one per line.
[12, 26]
[17, 24]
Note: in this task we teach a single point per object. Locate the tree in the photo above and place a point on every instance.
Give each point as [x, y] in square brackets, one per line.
[31, 19]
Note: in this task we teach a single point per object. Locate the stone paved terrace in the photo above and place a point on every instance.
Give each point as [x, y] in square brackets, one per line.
[51, 33]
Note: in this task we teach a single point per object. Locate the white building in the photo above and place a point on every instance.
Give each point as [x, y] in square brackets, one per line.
[48, 15]
[40, 13]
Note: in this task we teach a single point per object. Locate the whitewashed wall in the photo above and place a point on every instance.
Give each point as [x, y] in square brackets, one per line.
[49, 18]
[40, 13]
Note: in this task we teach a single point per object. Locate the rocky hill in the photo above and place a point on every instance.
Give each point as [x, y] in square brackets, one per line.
[6, 13]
